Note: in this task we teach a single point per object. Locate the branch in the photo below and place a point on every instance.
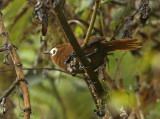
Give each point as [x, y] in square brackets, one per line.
[17, 82]
[115, 2]
[41, 68]
[119, 3]
[18, 68]
[100, 92]
[95, 30]
[91, 24]
[78, 23]
[102, 22]
[127, 19]
[4, 3]
[10, 89]
[49, 69]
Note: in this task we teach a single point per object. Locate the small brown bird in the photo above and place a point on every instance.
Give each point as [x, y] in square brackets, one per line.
[96, 51]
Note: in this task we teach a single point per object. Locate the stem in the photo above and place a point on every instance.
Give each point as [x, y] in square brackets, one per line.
[91, 24]
[18, 69]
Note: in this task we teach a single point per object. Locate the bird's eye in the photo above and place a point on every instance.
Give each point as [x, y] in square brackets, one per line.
[54, 51]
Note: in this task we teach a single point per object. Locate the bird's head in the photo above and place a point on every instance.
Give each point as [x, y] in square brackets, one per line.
[60, 51]
[52, 52]
[59, 54]
[54, 55]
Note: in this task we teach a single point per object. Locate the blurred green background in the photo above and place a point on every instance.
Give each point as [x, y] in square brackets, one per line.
[56, 95]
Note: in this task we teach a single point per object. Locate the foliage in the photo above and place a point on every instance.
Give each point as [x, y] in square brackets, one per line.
[56, 95]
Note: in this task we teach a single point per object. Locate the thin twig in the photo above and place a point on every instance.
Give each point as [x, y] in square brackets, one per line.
[3, 49]
[118, 66]
[95, 30]
[16, 82]
[119, 3]
[128, 18]
[10, 89]
[137, 91]
[79, 24]
[91, 24]
[102, 20]
[40, 68]
[115, 2]
[18, 68]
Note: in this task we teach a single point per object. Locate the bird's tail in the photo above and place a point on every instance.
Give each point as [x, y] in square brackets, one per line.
[123, 45]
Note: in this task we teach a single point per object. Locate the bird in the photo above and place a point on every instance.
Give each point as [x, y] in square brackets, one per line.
[96, 50]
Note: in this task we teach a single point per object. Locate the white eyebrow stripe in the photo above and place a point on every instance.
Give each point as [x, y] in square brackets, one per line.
[54, 49]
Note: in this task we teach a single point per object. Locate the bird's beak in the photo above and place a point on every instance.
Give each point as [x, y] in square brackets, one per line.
[47, 52]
